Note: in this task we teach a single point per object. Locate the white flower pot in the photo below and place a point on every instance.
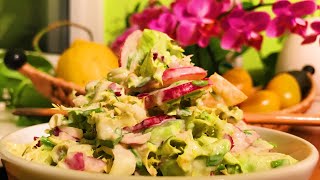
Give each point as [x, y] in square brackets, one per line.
[295, 56]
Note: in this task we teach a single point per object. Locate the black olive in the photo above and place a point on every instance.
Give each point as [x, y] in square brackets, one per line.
[309, 69]
[15, 58]
[303, 81]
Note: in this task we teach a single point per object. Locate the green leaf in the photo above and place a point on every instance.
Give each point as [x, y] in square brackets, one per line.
[88, 112]
[247, 132]
[247, 5]
[107, 143]
[279, 162]
[214, 160]
[31, 120]
[40, 62]
[234, 169]
[269, 66]
[209, 57]
[101, 154]
[22, 91]
[170, 167]
[45, 141]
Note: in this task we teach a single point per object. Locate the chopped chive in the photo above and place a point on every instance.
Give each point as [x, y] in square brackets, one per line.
[200, 82]
[279, 162]
[247, 132]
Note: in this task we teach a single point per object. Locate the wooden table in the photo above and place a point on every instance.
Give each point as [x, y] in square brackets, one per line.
[311, 134]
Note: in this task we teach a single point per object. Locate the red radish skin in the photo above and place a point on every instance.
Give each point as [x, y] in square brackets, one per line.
[149, 122]
[172, 75]
[228, 137]
[75, 161]
[79, 161]
[158, 97]
[115, 88]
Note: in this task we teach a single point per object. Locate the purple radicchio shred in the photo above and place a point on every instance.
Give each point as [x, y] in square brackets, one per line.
[162, 58]
[140, 96]
[155, 56]
[117, 93]
[56, 131]
[39, 143]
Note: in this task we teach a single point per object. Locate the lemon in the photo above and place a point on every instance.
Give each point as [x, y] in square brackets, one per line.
[85, 61]
[287, 88]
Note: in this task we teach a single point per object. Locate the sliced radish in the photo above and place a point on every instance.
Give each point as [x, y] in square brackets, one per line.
[129, 46]
[74, 132]
[135, 138]
[228, 137]
[79, 161]
[161, 96]
[116, 88]
[172, 75]
[93, 165]
[66, 136]
[56, 131]
[75, 161]
[149, 122]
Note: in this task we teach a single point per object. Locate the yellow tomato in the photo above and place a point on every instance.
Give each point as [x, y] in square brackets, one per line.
[85, 61]
[241, 79]
[261, 101]
[287, 88]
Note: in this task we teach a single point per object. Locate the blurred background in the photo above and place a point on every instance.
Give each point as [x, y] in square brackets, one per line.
[22, 20]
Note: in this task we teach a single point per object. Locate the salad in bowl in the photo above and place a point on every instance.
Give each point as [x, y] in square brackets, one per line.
[156, 115]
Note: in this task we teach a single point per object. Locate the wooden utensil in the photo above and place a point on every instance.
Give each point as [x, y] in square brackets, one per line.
[57, 90]
[251, 118]
[283, 119]
[38, 111]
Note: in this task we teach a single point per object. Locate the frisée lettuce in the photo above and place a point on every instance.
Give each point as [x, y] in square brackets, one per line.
[188, 128]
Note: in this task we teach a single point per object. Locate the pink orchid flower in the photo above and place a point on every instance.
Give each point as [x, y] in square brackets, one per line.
[315, 26]
[143, 18]
[166, 23]
[197, 20]
[288, 17]
[242, 28]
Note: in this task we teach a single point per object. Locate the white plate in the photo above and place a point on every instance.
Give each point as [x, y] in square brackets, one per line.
[7, 122]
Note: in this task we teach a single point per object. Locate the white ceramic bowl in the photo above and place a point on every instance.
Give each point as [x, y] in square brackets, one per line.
[18, 168]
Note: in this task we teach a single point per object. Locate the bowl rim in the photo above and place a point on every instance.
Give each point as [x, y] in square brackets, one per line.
[311, 159]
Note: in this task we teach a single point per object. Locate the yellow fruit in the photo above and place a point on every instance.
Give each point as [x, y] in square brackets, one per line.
[241, 79]
[262, 101]
[85, 61]
[287, 88]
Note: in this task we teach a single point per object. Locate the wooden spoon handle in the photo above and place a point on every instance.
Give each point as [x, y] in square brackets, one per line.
[38, 111]
[283, 119]
[251, 118]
